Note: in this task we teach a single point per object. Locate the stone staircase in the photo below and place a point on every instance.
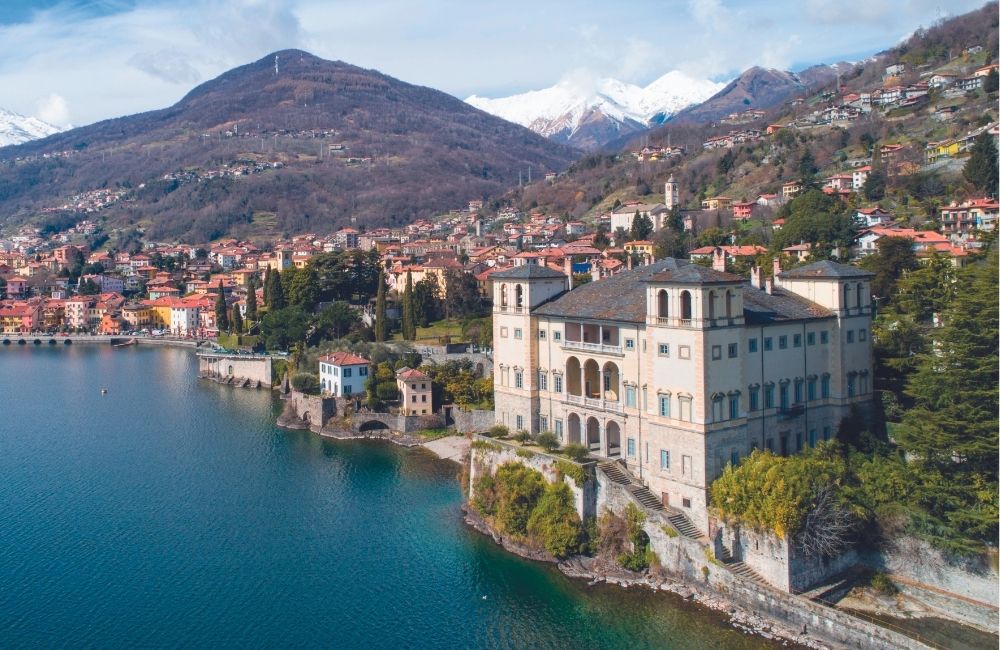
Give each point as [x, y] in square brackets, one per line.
[645, 497]
[615, 472]
[745, 572]
[685, 526]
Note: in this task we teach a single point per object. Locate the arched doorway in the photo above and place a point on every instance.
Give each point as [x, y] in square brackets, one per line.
[573, 376]
[573, 428]
[612, 381]
[593, 435]
[613, 433]
[591, 379]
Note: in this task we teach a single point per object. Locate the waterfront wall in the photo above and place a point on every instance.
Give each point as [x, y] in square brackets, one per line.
[236, 369]
[473, 421]
[303, 411]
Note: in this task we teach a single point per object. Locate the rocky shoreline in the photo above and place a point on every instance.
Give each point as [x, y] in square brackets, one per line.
[587, 568]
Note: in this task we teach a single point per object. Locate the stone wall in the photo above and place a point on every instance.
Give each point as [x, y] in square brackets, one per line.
[303, 411]
[236, 369]
[363, 421]
[473, 421]
[487, 460]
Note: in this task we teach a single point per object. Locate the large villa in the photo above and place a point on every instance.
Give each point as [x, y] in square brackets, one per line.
[677, 370]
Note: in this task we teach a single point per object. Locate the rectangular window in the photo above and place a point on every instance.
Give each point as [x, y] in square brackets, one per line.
[543, 380]
[734, 458]
[631, 447]
[664, 349]
[664, 459]
[503, 332]
[413, 399]
[423, 398]
[645, 399]
[363, 372]
[811, 389]
[825, 386]
[686, 468]
[850, 385]
[630, 396]
[543, 422]
[716, 352]
[783, 395]
[734, 350]
[629, 344]
[518, 379]
[826, 433]
[782, 342]
[557, 335]
[811, 338]
[850, 336]
[665, 405]
[347, 389]
[754, 398]
[768, 345]
[556, 383]
[769, 396]
[797, 340]
[824, 337]
[812, 437]
[798, 392]
[517, 332]
[347, 372]
[752, 346]
[798, 442]
[734, 407]
[520, 422]
[862, 334]
[685, 404]
[541, 334]
[684, 351]
[559, 429]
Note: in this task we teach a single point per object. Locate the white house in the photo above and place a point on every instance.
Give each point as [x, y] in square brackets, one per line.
[184, 318]
[342, 374]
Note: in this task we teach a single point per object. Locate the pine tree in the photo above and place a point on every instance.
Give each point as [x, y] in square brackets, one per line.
[642, 226]
[252, 300]
[951, 431]
[380, 324]
[807, 170]
[237, 324]
[221, 313]
[409, 325]
[981, 169]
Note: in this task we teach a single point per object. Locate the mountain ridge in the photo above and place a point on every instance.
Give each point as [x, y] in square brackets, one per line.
[17, 129]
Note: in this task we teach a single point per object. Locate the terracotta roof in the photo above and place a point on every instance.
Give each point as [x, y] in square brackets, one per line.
[344, 359]
[410, 373]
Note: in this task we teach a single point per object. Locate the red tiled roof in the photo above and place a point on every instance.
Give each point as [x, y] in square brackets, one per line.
[344, 359]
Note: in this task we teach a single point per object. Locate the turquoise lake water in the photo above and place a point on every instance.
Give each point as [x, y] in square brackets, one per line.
[172, 512]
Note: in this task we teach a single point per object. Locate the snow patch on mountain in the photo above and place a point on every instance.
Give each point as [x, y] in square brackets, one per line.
[574, 100]
[17, 129]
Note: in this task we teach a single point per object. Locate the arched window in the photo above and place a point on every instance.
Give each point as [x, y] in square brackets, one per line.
[711, 305]
[662, 304]
[729, 304]
[503, 295]
[686, 305]
[518, 296]
[859, 290]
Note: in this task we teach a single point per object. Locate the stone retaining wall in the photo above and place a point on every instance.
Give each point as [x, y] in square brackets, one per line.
[473, 421]
[303, 411]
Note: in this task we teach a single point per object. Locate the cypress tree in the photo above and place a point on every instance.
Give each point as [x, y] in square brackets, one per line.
[409, 326]
[275, 291]
[237, 320]
[380, 324]
[221, 313]
[981, 169]
[252, 300]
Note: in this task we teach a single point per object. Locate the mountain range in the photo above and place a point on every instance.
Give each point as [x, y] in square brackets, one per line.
[589, 115]
[289, 143]
[16, 128]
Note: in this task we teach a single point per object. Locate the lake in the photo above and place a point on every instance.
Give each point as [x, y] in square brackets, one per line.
[173, 512]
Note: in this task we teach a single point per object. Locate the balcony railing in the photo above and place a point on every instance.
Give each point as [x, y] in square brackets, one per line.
[596, 403]
[792, 411]
[593, 347]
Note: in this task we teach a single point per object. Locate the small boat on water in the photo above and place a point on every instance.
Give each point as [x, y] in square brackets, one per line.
[104, 391]
[124, 343]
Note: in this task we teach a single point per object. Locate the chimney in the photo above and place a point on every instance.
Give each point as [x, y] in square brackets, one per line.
[628, 262]
[755, 277]
[769, 286]
[777, 266]
[595, 272]
[649, 260]
[479, 227]
[568, 270]
[719, 259]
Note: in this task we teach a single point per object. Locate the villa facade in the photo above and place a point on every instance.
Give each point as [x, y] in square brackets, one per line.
[678, 370]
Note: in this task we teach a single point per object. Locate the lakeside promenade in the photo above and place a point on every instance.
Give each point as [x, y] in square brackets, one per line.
[18, 339]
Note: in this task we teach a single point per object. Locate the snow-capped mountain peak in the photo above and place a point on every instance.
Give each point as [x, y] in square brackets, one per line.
[17, 129]
[590, 112]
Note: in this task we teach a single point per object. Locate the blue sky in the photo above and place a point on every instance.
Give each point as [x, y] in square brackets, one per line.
[74, 61]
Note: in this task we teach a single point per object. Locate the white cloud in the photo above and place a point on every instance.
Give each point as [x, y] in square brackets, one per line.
[53, 109]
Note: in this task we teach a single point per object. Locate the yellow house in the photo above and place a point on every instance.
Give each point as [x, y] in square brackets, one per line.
[415, 396]
[716, 203]
[641, 246]
[943, 149]
[138, 315]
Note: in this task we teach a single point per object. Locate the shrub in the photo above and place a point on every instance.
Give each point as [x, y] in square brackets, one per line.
[575, 451]
[573, 471]
[638, 558]
[881, 583]
[484, 495]
[547, 440]
[518, 490]
[669, 531]
[305, 382]
[497, 431]
[554, 521]
[525, 453]
[522, 436]
[486, 444]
